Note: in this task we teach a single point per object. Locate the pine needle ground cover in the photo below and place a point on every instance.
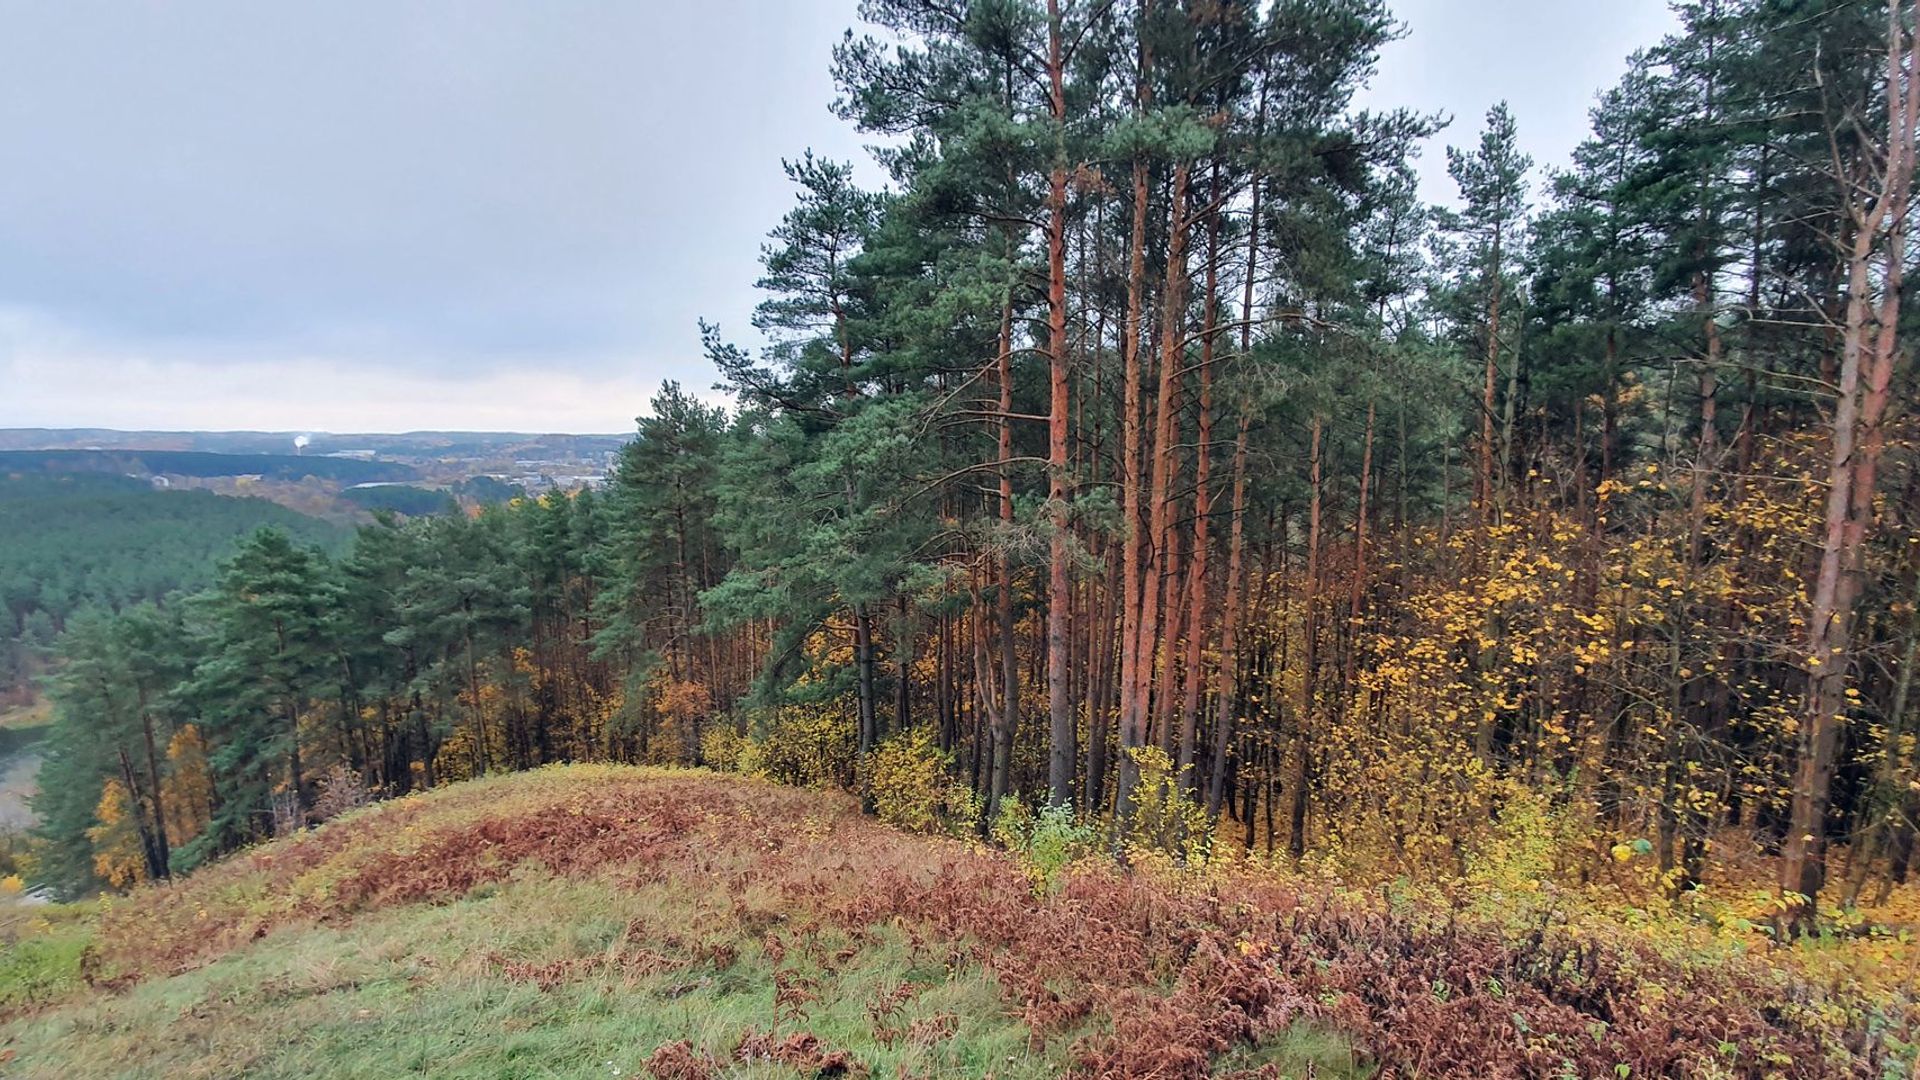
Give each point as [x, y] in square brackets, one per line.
[603, 921]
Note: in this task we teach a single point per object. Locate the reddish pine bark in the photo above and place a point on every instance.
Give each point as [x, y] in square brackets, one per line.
[1160, 497]
[1132, 708]
[1297, 822]
[1059, 593]
[1202, 502]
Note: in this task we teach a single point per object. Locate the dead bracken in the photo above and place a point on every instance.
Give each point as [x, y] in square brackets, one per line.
[1161, 973]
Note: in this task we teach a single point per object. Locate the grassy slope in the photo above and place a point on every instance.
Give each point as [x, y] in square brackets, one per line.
[566, 923]
[606, 921]
[23, 725]
[35, 716]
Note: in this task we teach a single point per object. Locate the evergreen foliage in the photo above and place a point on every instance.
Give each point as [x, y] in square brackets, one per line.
[69, 542]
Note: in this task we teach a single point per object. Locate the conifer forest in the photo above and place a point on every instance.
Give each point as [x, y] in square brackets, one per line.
[1131, 452]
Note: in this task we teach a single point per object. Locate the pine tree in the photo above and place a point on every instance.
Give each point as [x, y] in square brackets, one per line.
[1493, 192]
[269, 651]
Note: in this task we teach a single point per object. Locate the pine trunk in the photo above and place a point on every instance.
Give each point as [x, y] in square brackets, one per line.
[1059, 589]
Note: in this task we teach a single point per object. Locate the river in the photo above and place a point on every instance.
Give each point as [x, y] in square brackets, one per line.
[18, 772]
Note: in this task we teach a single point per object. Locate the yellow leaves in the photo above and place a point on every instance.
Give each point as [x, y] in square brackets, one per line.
[1566, 645]
[117, 856]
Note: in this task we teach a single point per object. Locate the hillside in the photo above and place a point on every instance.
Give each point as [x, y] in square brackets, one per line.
[70, 542]
[401, 499]
[199, 463]
[612, 921]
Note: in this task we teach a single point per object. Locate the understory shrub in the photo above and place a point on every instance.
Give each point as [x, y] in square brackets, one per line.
[1167, 819]
[341, 790]
[905, 782]
[1046, 842]
[911, 787]
[805, 745]
[724, 749]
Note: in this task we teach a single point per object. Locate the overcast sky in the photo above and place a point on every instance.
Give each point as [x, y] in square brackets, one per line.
[368, 215]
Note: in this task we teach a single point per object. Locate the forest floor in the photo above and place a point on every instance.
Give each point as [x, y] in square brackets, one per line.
[606, 921]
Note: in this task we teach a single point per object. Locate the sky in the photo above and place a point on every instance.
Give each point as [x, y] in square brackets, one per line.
[369, 215]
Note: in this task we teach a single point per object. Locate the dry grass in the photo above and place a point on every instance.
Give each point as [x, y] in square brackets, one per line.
[36, 715]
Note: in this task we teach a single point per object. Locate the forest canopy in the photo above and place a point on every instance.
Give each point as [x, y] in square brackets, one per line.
[74, 541]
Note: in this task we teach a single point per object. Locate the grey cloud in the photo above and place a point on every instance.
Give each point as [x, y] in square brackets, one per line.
[440, 180]
[203, 202]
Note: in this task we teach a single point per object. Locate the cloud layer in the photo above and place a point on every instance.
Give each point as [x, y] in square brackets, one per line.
[481, 213]
[351, 198]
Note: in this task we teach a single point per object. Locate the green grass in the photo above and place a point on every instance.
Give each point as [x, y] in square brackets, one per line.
[1302, 1049]
[432, 991]
[40, 960]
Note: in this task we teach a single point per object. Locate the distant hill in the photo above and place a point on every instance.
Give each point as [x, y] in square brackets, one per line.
[401, 499]
[407, 444]
[488, 490]
[201, 463]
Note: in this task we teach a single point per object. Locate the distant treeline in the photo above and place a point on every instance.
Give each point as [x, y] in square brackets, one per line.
[203, 464]
[401, 444]
[401, 499]
[415, 501]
